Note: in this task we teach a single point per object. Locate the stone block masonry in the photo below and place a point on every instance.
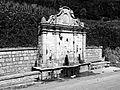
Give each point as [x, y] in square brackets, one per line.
[93, 54]
[17, 60]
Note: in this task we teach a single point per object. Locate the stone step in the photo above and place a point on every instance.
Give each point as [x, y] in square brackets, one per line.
[10, 80]
[20, 86]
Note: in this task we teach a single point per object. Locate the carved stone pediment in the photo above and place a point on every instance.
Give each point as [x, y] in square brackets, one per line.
[65, 17]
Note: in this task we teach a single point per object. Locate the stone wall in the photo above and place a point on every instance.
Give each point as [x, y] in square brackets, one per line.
[93, 54]
[17, 60]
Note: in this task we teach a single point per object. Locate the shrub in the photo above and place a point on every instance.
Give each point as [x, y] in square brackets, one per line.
[112, 55]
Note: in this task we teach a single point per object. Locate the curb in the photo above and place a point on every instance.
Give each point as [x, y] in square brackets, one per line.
[96, 78]
[19, 80]
[19, 86]
[19, 75]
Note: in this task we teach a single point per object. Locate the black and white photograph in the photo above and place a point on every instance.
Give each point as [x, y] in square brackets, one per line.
[59, 44]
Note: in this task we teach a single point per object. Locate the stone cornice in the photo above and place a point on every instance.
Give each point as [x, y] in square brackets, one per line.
[61, 28]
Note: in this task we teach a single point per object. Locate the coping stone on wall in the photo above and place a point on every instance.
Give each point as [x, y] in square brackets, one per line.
[94, 47]
[18, 49]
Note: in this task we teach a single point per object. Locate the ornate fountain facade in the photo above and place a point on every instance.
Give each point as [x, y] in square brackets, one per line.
[60, 36]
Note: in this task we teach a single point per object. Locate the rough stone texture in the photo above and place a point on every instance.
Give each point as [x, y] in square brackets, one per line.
[16, 60]
[84, 69]
[61, 35]
[94, 54]
[56, 46]
[14, 79]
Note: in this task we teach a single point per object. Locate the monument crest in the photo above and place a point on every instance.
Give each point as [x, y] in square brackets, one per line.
[64, 17]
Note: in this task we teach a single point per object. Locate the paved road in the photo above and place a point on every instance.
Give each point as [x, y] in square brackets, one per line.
[108, 81]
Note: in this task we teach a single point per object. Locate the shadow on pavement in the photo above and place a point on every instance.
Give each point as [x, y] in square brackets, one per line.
[62, 79]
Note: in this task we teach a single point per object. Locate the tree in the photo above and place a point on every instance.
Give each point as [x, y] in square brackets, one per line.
[19, 23]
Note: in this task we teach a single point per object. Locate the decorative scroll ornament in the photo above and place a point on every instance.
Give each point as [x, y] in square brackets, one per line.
[64, 17]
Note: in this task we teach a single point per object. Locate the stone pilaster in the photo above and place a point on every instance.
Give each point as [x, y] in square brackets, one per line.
[44, 43]
[83, 46]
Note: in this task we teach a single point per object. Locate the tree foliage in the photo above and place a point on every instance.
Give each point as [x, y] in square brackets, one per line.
[94, 9]
[106, 34]
[19, 20]
[19, 23]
